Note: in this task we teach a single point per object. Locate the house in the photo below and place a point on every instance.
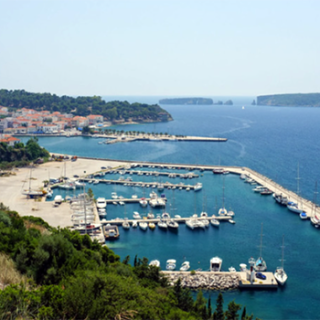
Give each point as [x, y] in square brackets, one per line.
[11, 141]
[94, 119]
[79, 122]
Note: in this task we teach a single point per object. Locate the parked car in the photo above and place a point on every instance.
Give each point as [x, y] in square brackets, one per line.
[261, 276]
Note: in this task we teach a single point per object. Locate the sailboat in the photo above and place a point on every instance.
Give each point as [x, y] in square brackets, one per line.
[125, 223]
[32, 193]
[292, 206]
[280, 274]
[223, 211]
[260, 264]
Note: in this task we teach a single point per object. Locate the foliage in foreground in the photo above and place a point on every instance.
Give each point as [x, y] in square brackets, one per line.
[21, 154]
[75, 278]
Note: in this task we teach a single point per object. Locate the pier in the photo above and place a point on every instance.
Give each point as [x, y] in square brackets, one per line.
[220, 280]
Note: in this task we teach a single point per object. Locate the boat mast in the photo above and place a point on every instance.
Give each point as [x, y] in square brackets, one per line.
[282, 247]
[261, 240]
[223, 194]
[314, 207]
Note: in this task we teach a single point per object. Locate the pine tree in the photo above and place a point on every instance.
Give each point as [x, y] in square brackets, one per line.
[232, 312]
[209, 308]
[219, 315]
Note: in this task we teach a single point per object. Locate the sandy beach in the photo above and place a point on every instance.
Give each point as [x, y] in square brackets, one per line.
[12, 186]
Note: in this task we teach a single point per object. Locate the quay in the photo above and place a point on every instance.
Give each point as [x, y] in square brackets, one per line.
[130, 200]
[220, 280]
[156, 220]
[156, 173]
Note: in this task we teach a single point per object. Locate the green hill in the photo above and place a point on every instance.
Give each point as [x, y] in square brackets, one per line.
[83, 106]
[186, 101]
[290, 99]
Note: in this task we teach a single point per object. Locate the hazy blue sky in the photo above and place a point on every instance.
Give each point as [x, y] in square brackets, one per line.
[160, 47]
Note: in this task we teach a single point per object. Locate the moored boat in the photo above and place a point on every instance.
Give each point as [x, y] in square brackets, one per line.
[185, 266]
[215, 264]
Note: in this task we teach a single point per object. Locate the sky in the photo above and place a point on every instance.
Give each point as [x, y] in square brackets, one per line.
[160, 47]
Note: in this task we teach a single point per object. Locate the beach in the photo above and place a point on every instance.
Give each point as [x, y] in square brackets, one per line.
[12, 186]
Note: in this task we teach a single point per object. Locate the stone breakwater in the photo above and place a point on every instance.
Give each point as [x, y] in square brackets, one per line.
[212, 281]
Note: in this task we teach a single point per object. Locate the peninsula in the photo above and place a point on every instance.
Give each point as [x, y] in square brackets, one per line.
[290, 99]
[113, 111]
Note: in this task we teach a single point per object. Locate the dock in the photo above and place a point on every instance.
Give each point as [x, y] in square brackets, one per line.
[130, 200]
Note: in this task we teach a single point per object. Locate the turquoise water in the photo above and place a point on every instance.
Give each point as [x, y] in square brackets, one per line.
[267, 139]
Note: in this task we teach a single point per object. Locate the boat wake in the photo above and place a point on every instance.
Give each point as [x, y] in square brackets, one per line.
[245, 124]
[242, 151]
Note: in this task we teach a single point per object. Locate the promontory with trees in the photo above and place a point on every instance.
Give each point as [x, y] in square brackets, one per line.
[83, 106]
[290, 99]
[55, 273]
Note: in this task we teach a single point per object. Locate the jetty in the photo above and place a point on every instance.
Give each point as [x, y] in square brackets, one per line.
[220, 280]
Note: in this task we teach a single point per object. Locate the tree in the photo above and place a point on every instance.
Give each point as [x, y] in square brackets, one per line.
[232, 312]
[209, 308]
[218, 314]
[200, 305]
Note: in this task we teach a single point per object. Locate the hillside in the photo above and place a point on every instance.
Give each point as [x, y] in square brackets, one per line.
[84, 106]
[71, 277]
[294, 99]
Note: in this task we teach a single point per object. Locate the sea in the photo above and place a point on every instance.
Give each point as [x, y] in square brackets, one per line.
[275, 141]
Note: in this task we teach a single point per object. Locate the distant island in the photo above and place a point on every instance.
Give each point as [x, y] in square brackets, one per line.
[186, 101]
[194, 101]
[290, 99]
[114, 111]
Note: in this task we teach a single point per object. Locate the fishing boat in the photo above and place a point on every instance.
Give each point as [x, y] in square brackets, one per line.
[215, 264]
[185, 266]
[280, 274]
[260, 264]
[171, 264]
[155, 263]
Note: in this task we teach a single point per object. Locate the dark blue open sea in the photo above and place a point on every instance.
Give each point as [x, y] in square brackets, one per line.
[270, 140]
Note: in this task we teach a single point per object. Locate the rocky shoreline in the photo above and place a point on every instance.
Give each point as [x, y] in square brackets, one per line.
[207, 280]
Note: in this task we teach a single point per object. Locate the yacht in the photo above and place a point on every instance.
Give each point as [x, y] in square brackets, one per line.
[101, 203]
[280, 274]
[172, 224]
[294, 207]
[194, 224]
[155, 263]
[197, 187]
[215, 264]
[260, 264]
[157, 202]
[136, 215]
[171, 264]
[185, 266]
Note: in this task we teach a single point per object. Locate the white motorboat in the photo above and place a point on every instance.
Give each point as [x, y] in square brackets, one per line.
[101, 203]
[206, 222]
[49, 194]
[231, 221]
[185, 266]
[172, 224]
[134, 196]
[115, 203]
[215, 222]
[162, 225]
[136, 215]
[165, 216]
[125, 224]
[143, 202]
[143, 225]
[243, 267]
[68, 185]
[171, 264]
[230, 213]
[260, 264]
[153, 195]
[134, 224]
[157, 202]
[95, 181]
[150, 215]
[114, 195]
[194, 224]
[122, 203]
[232, 269]
[79, 184]
[203, 214]
[280, 274]
[160, 187]
[258, 189]
[243, 176]
[155, 263]
[197, 186]
[215, 264]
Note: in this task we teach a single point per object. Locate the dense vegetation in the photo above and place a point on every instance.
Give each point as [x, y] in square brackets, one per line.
[21, 154]
[72, 277]
[186, 101]
[83, 106]
[296, 99]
